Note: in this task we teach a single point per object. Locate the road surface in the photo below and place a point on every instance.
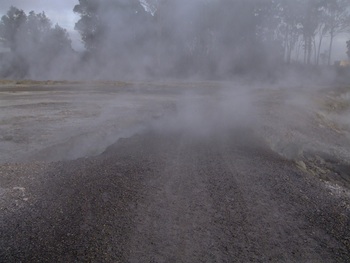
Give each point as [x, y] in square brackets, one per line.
[174, 195]
[174, 198]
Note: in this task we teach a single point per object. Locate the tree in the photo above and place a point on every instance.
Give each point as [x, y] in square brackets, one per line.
[58, 39]
[310, 22]
[35, 45]
[36, 28]
[89, 26]
[215, 38]
[100, 21]
[18, 30]
[289, 25]
[338, 20]
[202, 36]
[10, 26]
[321, 32]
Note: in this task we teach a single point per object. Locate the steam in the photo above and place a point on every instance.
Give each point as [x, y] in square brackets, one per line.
[153, 39]
[253, 51]
[210, 111]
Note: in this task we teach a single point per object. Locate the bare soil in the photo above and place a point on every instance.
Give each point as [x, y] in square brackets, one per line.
[248, 186]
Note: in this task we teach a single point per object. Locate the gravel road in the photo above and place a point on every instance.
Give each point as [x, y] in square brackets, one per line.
[171, 194]
[173, 198]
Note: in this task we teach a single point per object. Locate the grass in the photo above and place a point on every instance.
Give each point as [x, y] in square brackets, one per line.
[28, 82]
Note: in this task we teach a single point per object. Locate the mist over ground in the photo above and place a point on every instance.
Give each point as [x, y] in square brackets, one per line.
[236, 53]
[226, 58]
[190, 131]
[132, 39]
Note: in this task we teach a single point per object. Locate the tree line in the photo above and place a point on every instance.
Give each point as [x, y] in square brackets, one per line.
[178, 38]
[36, 44]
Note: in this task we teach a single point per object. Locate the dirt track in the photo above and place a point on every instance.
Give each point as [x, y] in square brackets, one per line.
[174, 195]
[169, 197]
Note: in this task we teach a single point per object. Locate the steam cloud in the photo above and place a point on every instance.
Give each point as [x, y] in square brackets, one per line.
[152, 39]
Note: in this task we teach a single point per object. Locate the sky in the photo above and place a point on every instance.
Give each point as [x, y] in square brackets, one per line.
[61, 12]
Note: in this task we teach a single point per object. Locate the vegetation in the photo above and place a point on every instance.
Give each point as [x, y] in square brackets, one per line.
[220, 37]
[179, 38]
[33, 41]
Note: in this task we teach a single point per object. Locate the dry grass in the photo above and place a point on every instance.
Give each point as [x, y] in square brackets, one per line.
[7, 82]
[330, 106]
[336, 101]
[325, 121]
[335, 104]
[27, 82]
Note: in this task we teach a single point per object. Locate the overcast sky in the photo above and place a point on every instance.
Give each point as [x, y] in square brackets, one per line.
[61, 12]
